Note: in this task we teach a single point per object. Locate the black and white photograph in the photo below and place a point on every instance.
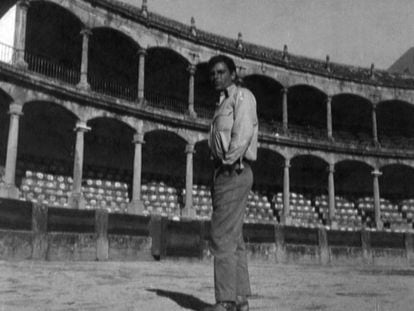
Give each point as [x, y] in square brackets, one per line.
[206, 155]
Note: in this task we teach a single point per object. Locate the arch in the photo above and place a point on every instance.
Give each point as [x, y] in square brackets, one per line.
[46, 139]
[397, 182]
[109, 151]
[308, 174]
[163, 156]
[205, 96]
[166, 79]
[111, 118]
[351, 117]
[306, 106]
[317, 155]
[113, 63]
[394, 120]
[203, 165]
[268, 170]
[53, 35]
[353, 178]
[5, 101]
[268, 96]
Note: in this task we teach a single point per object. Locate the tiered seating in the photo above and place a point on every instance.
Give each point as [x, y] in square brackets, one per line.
[277, 201]
[106, 194]
[46, 189]
[160, 199]
[302, 211]
[259, 208]
[346, 215]
[365, 207]
[391, 216]
[202, 201]
[407, 208]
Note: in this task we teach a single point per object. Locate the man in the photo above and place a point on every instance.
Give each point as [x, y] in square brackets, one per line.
[233, 144]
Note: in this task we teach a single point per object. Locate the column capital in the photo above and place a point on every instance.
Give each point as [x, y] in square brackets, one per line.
[376, 173]
[331, 168]
[15, 109]
[287, 163]
[86, 32]
[189, 148]
[81, 126]
[24, 4]
[138, 139]
[375, 99]
[284, 90]
[328, 98]
[192, 68]
[142, 51]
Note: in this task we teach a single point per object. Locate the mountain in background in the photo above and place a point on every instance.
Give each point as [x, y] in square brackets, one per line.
[405, 64]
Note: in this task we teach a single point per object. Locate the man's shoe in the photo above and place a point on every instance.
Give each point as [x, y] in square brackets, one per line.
[242, 306]
[222, 306]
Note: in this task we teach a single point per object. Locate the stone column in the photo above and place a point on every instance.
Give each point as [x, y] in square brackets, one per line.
[76, 199]
[22, 7]
[329, 116]
[285, 109]
[286, 219]
[188, 209]
[8, 189]
[331, 196]
[83, 83]
[377, 207]
[136, 205]
[141, 74]
[374, 124]
[191, 70]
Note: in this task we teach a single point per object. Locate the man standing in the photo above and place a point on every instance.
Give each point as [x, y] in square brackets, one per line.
[233, 144]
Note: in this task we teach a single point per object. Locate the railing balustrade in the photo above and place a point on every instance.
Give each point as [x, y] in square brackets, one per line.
[166, 102]
[6, 53]
[112, 88]
[53, 69]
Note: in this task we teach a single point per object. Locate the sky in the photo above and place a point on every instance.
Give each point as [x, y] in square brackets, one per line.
[353, 32]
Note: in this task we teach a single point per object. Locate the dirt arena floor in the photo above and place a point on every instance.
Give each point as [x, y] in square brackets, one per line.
[184, 285]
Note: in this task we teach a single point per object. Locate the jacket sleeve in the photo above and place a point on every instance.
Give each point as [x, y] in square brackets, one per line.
[245, 119]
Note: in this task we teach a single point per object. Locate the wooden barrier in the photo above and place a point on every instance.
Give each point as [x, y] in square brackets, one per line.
[32, 231]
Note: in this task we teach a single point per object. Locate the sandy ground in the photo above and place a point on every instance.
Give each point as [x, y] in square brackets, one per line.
[183, 285]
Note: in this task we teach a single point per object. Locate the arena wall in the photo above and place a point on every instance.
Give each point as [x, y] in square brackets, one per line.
[30, 231]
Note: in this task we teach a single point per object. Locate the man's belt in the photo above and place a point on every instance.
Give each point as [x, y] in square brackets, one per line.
[236, 166]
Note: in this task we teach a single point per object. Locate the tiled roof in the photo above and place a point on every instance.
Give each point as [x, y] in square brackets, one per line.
[260, 53]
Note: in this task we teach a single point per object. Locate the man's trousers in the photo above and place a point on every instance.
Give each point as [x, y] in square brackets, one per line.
[229, 193]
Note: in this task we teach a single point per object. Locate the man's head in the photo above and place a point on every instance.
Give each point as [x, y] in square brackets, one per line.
[222, 72]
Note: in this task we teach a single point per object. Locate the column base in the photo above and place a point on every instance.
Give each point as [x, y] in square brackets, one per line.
[188, 212]
[9, 191]
[286, 220]
[192, 113]
[77, 201]
[21, 63]
[333, 224]
[84, 85]
[379, 225]
[135, 207]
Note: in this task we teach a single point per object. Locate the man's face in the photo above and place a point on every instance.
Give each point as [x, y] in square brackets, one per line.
[220, 76]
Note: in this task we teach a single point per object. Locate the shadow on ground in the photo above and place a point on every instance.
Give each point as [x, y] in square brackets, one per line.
[183, 300]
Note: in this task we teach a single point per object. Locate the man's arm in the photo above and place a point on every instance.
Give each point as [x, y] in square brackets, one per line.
[245, 119]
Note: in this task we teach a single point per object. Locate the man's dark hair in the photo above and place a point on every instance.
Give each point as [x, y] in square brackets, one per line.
[222, 59]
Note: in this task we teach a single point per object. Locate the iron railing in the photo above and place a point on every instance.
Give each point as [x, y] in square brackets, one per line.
[167, 102]
[113, 88]
[54, 69]
[51, 68]
[7, 53]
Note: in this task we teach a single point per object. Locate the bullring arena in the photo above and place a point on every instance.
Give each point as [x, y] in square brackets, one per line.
[104, 115]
